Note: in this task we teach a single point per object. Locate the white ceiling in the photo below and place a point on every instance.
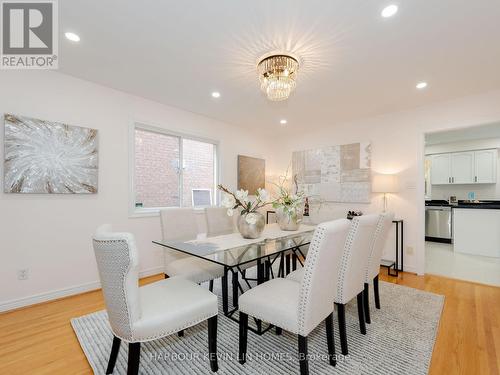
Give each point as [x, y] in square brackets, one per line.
[355, 63]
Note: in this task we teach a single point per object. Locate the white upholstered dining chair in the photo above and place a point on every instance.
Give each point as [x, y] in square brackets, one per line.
[218, 222]
[140, 314]
[350, 272]
[300, 307]
[373, 267]
[179, 224]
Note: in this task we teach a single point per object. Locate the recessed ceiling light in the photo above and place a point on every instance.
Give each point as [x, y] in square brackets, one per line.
[72, 36]
[389, 11]
[216, 94]
[283, 122]
[421, 85]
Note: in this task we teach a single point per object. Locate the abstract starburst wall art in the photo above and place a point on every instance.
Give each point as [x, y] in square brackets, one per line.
[44, 157]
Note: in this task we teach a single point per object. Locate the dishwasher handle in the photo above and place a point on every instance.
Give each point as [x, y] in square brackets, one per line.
[431, 208]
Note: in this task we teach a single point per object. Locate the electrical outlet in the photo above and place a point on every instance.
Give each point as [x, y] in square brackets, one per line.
[23, 274]
[409, 250]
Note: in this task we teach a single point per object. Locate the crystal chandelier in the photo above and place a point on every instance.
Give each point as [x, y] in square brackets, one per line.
[277, 74]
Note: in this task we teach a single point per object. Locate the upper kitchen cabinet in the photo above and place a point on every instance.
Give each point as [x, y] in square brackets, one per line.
[470, 167]
[486, 166]
[462, 167]
[441, 169]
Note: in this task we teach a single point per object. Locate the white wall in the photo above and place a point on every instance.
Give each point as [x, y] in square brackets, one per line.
[398, 147]
[50, 234]
[483, 191]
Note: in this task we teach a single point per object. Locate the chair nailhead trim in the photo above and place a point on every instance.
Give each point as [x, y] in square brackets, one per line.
[305, 285]
[167, 333]
[378, 231]
[127, 326]
[346, 258]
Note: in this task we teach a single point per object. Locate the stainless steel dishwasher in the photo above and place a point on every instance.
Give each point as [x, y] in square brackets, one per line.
[439, 223]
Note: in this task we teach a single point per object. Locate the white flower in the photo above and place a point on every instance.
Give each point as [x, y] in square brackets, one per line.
[242, 195]
[228, 201]
[263, 194]
[251, 218]
[230, 212]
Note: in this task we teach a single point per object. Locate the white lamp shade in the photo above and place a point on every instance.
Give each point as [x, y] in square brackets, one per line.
[385, 183]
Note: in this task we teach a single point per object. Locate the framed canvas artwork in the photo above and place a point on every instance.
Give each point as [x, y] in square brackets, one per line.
[251, 174]
[44, 157]
[339, 173]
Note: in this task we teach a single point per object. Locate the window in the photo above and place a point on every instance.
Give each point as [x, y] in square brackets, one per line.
[172, 170]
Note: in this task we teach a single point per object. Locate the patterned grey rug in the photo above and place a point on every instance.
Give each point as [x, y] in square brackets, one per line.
[400, 340]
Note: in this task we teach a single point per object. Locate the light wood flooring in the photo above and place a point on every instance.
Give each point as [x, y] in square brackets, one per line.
[40, 340]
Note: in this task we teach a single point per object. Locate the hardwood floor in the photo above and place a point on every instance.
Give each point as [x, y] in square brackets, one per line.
[468, 340]
[40, 340]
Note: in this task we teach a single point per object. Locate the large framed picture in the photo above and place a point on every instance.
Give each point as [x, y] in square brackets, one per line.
[251, 174]
[44, 157]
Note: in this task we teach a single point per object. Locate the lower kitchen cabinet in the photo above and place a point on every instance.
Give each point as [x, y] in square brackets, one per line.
[476, 231]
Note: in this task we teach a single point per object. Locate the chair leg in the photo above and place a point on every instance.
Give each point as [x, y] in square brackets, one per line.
[134, 355]
[366, 303]
[375, 291]
[361, 314]
[279, 331]
[342, 328]
[330, 340]
[115, 348]
[303, 360]
[211, 286]
[212, 343]
[242, 357]
[180, 333]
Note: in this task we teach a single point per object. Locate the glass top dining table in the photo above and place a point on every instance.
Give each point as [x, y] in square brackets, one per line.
[234, 253]
[232, 250]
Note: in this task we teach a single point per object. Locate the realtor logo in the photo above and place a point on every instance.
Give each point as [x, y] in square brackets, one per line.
[29, 34]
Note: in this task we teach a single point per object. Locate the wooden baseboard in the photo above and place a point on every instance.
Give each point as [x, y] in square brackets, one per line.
[63, 293]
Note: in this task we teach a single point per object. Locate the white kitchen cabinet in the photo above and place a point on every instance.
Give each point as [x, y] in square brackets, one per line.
[475, 231]
[462, 168]
[486, 166]
[441, 169]
[469, 167]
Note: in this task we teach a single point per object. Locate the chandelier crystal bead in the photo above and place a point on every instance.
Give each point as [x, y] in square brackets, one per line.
[278, 74]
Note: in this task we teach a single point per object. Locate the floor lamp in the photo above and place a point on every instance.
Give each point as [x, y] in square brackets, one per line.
[385, 183]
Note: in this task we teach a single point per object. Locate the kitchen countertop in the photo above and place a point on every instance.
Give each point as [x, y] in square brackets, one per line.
[488, 205]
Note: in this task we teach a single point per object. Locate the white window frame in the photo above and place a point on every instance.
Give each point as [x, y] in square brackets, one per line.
[154, 211]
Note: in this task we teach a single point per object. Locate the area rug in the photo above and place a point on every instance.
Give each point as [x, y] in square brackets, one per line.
[399, 340]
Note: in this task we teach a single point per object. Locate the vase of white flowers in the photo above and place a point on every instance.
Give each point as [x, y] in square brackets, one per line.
[289, 208]
[251, 223]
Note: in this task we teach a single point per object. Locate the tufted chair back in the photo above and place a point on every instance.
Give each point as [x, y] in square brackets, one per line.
[117, 262]
[355, 256]
[177, 224]
[320, 274]
[218, 223]
[378, 243]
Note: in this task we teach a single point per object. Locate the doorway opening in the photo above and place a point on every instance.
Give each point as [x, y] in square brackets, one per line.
[462, 203]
